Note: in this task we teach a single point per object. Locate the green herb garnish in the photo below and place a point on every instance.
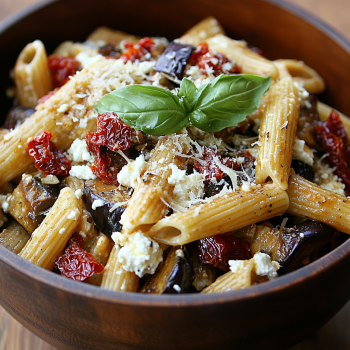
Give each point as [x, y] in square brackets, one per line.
[224, 102]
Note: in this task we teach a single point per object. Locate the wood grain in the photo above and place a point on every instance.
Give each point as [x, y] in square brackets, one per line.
[334, 335]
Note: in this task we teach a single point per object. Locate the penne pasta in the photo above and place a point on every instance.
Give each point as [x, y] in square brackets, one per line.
[302, 73]
[110, 36]
[232, 281]
[49, 239]
[116, 278]
[32, 75]
[67, 115]
[148, 203]
[248, 60]
[202, 31]
[223, 214]
[314, 202]
[277, 134]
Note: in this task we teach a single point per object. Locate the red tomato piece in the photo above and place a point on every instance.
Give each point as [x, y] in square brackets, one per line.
[138, 51]
[47, 157]
[61, 69]
[200, 51]
[332, 136]
[209, 166]
[46, 97]
[76, 263]
[210, 63]
[218, 250]
[112, 135]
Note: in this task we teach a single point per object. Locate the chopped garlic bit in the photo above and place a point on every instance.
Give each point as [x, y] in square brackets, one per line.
[138, 253]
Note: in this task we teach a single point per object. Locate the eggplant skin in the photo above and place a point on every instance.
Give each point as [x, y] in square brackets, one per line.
[17, 116]
[174, 59]
[173, 275]
[308, 239]
[108, 222]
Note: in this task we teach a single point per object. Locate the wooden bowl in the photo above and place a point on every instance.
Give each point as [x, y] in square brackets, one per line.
[273, 315]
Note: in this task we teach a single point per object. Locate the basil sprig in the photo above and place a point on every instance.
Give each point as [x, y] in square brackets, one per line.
[224, 102]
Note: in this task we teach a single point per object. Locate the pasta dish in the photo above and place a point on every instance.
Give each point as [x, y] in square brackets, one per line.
[197, 165]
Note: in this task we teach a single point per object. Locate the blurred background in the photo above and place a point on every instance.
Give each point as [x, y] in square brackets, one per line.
[335, 334]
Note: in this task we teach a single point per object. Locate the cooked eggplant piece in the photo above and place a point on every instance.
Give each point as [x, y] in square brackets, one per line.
[303, 169]
[203, 275]
[173, 275]
[292, 248]
[173, 60]
[14, 237]
[30, 200]
[17, 116]
[99, 199]
[306, 123]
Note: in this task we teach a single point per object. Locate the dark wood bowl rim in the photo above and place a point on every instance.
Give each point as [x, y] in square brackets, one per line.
[182, 300]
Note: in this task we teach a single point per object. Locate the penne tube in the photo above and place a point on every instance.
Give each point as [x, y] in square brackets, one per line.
[324, 112]
[277, 134]
[100, 249]
[148, 203]
[302, 73]
[116, 278]
[110, 36]
[50, 238]
[248, 60]
[222, 214]
[242, 278]
[32, 74]
[14, 237]
[202, 31]
[68, 114]
[316, 203]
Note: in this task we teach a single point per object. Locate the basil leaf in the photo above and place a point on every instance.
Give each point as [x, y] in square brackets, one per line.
[187, 92]
[152, 109]
[227, 100]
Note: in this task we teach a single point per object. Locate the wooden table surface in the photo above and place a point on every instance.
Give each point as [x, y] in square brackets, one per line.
[335, 334]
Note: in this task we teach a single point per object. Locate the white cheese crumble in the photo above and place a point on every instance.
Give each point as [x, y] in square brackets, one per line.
[177, 288]
[78, 151]
[302, 152]
[82, 172]
[188, 188]
[4, 202]
[74, 214]
[138, 253]
[63, 108]
[97, 203]
[61, 231]
[78, 193]
[129, 176]
[263, 266]
[85, 58]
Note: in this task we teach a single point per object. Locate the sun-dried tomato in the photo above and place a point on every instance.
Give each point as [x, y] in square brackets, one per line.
[61, 69]
[47, 157]
[111, 135]
[76, 263]
[332, 136]
[210, 63]
[209, 165]
[218, 250]
[200, 51]
[138, 51]
[111, 132]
